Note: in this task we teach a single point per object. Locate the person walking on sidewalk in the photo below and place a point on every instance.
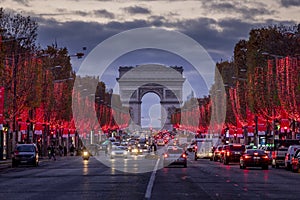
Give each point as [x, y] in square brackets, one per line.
[52, 152]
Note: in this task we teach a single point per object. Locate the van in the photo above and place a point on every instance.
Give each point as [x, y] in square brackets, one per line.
[203, 148]
[288, 158]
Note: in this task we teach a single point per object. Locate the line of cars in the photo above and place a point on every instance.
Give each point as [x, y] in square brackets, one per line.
[248, 156]
[126, 148]
[239, 153]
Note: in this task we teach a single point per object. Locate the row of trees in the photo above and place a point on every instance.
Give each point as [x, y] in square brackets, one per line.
[38, 82]
[262, 83]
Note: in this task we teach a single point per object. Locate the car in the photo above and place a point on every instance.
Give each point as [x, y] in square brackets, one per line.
[289, 155]
[142, 144]
[175, 156]
[104, 145]
[118, 151]
[295, 162]
[25, 154]
[254, 158]
[211, 153]
[217, 153]
[160, 142]
[278, 157]
[233, 153]
[135, 150]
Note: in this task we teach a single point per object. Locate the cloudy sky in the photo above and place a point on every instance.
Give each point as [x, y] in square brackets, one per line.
[217, 25]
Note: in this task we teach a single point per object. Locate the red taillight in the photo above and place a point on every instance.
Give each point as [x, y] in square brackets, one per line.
[183, 155]
[255, 153]
[265, 157]
[228, 153]
[166, 155]
[273, 154]
[247, 156]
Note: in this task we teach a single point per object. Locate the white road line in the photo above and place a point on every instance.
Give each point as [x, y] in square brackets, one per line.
[151, 181]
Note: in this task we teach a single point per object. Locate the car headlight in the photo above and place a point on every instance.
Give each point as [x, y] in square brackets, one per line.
[85, 153]
[113, 153]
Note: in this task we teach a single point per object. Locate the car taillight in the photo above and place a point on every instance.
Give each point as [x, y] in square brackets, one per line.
[166, 155]
[265, 157]
[183, 155]
[247, 156]
[228, 153]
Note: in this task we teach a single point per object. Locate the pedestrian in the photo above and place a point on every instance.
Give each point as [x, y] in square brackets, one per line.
[52, 152]
[65, 151]
[72, 149]
[60, 148]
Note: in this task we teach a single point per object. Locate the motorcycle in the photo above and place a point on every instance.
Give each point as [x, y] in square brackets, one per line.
[49, 154]
[85, 155]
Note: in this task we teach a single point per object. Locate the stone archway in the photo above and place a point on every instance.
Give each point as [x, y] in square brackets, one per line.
[166, 82]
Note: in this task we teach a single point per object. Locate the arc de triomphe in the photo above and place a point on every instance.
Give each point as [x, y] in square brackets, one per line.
[166, 82]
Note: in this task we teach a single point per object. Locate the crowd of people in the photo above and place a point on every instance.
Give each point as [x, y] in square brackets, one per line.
[59, 150]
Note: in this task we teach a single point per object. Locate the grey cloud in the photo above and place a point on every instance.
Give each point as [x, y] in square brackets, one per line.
[137, 10]
[81, 13]
[289, 3]
[220, 44]
[104, 13]
[22, 2]
[232, 7]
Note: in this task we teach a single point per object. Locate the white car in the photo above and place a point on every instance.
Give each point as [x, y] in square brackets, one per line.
[118, 151]
[288, 158]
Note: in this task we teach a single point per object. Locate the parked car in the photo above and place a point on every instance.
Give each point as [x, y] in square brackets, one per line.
[175, 156]
[217, 153]
[254, 158]
[25, 154]
[233, 153]
[278, 157]
[296, 161]
[289, 155]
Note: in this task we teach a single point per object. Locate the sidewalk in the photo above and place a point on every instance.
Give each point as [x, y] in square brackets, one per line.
[4, 164]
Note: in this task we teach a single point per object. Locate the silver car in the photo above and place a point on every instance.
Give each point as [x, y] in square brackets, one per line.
[118, 151]
[175, 156]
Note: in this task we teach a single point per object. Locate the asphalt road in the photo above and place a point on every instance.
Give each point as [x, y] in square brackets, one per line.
[73, 178]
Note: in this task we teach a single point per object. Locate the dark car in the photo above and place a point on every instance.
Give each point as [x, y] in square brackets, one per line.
[175, 156]
[233, 153]
[296, 161]
[254, 158]
[25, 154]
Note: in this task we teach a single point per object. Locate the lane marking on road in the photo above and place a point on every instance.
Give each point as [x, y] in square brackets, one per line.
[151, 181]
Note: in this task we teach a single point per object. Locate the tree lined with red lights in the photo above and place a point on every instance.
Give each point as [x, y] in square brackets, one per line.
[261, 83]
[38, 83]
